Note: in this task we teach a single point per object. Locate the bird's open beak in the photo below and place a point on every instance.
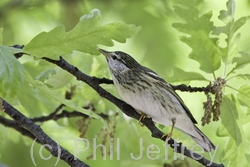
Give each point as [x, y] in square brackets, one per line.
[104, 52]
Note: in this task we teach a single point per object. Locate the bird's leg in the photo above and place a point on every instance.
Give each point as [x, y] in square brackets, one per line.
[172, 129]
[143, 116]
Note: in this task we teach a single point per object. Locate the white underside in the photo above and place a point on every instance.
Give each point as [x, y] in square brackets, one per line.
[145, 103]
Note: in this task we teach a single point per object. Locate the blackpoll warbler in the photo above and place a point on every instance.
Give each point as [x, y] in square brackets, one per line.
[151, 95]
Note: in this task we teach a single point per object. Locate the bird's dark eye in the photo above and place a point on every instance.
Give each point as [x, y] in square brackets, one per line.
[114, 57]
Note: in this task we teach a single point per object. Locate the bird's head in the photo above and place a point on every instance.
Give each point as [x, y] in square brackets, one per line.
[120, 61]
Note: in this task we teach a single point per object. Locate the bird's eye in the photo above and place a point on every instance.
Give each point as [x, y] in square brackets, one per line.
[114, 57]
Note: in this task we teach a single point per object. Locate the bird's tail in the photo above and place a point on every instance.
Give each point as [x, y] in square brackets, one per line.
[202, 140]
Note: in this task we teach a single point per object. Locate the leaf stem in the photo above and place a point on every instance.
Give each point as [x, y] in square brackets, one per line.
[232, 88]
[214, 75]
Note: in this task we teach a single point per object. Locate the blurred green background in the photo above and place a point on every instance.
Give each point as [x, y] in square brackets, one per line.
[157, 46]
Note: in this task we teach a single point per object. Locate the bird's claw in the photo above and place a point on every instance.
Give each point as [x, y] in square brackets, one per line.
[167, 136]
[143, 116]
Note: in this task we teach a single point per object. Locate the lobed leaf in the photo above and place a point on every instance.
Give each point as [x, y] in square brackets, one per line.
[236, 153]
[45, 75]
[35, 102]
[57, 95]
[229, 117]
[244, 76]
[83, 37]
[228, 15]
[237, 148]
[232, 121]
[204, 49]
[10, 72]
[60, 79]
[230, 29]
[184, 76]
[241, 61]
[244, 95]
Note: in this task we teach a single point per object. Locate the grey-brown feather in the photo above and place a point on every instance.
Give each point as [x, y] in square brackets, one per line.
[146, 91]
[136, 68]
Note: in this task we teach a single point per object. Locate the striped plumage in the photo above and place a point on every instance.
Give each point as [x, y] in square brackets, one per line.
[147, 92]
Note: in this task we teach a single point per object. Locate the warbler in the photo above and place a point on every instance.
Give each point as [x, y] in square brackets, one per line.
[152, 96]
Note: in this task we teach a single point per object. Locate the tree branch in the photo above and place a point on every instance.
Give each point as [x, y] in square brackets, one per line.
[127, 109]
[13, 124]
[26, 123]
[181, 87]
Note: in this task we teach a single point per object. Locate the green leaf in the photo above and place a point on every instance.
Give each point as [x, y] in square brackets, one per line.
[229, 117]
[244, 95]
[60, 79]
[10, 72]
[222, 131]
[57, 95]
[228, 15]
[232, 120]
[45, 75]
[243, 76]
[241, 61]
[29, 96]
[83, 37]
[183, 76]
[230, 29]
[1, 36]
[236, 154]
[204, 48]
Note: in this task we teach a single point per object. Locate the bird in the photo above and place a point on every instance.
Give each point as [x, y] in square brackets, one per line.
[151, 96]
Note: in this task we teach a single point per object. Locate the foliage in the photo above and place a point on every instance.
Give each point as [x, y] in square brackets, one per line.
[207, 51]
[54, 44]
[37, 87]
[83, 37]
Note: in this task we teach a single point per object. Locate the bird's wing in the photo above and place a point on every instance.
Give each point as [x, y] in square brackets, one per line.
[157, 79]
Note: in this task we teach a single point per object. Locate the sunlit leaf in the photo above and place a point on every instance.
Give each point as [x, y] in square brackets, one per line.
[10, 72]
[222, 131]
[60, 79]
[227, 16]
[241, 61]
[235, 153]
[244, 95]
[95, 67]
[229, 117]
[232, 121]
[45, 75]
[184, 76]
[243, 76]
[57, 95]
[204, 48]
[29, 96]
[83, 37]
[37, 67]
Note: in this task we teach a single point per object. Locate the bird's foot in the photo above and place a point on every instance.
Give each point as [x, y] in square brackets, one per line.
[143, 116]
[167, 136]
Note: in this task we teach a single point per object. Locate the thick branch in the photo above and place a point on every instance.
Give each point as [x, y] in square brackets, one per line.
[127, 109]
[41, 136]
